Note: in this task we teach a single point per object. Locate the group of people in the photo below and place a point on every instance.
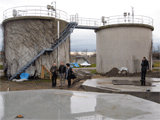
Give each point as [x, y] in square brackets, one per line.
[65, 72]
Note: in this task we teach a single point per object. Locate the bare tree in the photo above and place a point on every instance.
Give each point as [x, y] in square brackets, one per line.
[156, 52]
[85, 52]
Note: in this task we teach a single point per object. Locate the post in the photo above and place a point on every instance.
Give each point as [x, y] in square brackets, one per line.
[103, 21]
[70, 18]
[58, 29]
[132, 14]
[55, 10]
[77, 17]
[151, 61]
[58, 38]
[55, 7]
[42, 74]
[50, 42]
[26, 10]
[86, 52]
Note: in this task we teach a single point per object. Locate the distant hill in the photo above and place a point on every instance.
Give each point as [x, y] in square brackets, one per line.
[79, 45]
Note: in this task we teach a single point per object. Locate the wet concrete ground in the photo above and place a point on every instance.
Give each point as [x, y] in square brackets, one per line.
[107, 82]
[72, 105]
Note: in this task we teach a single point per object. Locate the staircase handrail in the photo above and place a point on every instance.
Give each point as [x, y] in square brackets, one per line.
[14, 62]
[63, 37]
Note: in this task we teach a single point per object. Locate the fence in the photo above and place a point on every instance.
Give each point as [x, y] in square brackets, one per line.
[86, 21]
[34, 11]
[43, 11]
[137, 19]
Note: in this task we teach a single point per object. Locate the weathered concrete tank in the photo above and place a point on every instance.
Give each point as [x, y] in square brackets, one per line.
[26, 36]
[123, 45]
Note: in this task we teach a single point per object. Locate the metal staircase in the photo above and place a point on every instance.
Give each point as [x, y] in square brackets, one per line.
[63, 36]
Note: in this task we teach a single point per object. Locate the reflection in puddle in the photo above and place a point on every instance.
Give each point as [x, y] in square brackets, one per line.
[117, 110]
[155, 79]
[56, 104]
[82, 104]
[1, 107]
[98, 107]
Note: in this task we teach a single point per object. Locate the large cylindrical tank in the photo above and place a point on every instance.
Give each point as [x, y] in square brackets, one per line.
[26, 36]
[123, 45]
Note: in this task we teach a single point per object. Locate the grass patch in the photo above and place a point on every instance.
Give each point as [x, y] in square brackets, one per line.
[93, 71]
[155, 69]
[93, 65]
[39, 80]
[156, 65]
[1, 67]
[3, 78]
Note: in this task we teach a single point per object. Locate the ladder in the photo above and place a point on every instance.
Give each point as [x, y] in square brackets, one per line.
[64, 35]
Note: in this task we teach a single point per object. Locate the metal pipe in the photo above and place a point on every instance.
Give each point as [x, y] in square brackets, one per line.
[132, 14]
[55, 10]
[58, 29]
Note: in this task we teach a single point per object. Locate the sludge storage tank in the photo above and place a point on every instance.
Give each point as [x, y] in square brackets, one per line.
[123, 42]
[27, 31]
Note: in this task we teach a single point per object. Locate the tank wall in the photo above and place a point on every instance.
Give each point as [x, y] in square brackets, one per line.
[122, 47]
[25, 34]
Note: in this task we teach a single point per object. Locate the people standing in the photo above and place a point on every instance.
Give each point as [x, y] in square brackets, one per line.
[69, 74]
[54, 71]
[62, 71]
[144, 69]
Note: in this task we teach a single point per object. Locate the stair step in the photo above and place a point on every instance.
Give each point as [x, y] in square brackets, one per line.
[49, 50]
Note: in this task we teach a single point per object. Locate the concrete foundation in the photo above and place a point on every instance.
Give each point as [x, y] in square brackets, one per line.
[105, 85]
[123, 45]
[73, 105]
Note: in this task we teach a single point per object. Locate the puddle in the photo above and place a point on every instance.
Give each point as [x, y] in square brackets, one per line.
[1, 106]
[63, 104]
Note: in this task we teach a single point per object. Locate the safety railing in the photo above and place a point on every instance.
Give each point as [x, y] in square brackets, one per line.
[34, 11]
[85, 21]
[137, 19]
[119, 19]
[59, 14]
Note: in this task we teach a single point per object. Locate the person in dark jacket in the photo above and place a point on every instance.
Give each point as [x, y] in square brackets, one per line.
[144, 69]
[69, 74]
[54, 71]
[62, 71]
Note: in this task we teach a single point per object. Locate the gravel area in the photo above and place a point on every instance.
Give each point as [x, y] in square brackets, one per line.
[82, 76]
[44, 84]
[115, 73]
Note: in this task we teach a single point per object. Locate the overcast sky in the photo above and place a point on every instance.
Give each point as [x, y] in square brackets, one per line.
[94, 9]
